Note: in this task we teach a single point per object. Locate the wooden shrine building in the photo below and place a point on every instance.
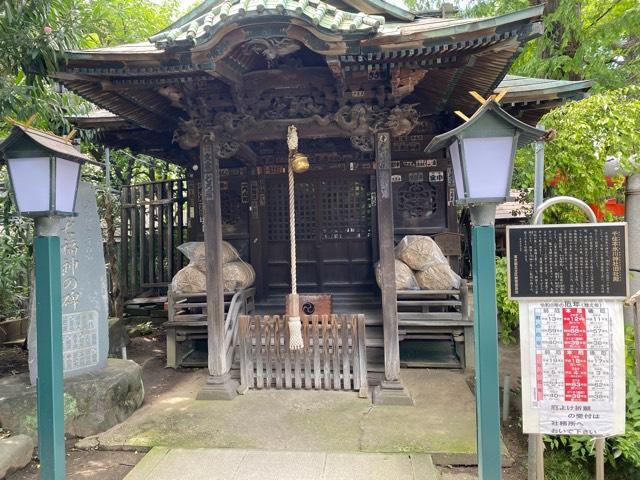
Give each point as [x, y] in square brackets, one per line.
[366, 83]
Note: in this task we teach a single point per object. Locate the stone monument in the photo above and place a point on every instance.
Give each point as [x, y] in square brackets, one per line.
[85, 327]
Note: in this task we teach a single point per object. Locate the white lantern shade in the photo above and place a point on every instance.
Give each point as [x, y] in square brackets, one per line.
[44, 186]
[66, 185]
[488, 163]
[44, 170]
[454, 151]
[31, 183]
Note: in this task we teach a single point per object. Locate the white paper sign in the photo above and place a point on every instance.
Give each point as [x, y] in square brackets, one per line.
[573, 367]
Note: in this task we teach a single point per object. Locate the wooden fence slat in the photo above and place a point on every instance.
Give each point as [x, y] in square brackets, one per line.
[259, 366]
[267, 346]
[170, 234]
[355, 351]
[150, 234]
[244, 353]
[297, 366]
[317, 382]
[287, 355]
[346, 367]
[364, 384]
[161, 255]
[277, 332]
[180, 224]
[134, 241]
[253, 346]
[307, 356]
[336, 364]
[325, 352]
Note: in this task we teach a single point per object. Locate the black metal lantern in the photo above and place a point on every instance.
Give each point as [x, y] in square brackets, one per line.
[44, 171]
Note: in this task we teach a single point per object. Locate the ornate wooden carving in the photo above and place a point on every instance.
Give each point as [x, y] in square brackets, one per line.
[271, 48]
[404, 81]
[187, 135]
[227, 129]
[363, 119]
[364, 143]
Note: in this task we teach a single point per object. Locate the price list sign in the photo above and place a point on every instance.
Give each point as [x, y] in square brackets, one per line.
[573, 362]
[567, 261]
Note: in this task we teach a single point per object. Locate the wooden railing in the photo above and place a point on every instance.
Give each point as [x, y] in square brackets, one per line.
[242, 303]
[333, 358]
[188, 322]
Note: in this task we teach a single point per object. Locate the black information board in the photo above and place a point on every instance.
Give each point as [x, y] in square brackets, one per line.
[559, 261]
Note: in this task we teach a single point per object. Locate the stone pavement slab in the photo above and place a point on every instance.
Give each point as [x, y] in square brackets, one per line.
[237, 464]
[442, 422]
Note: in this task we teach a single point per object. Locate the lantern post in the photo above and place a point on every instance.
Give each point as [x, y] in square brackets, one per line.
[482, 152]
[44, 171]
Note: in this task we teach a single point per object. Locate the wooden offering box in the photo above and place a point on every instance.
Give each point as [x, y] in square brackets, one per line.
[314, 304]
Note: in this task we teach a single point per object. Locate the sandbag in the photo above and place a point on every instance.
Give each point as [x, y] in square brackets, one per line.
[405, 279]
[237, 276]
[189, 279]
[438, 277]
[195, 252]
[419, 252]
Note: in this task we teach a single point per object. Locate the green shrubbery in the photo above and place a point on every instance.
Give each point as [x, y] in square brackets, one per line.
[622, 452]
[15, 252]
[508, 314]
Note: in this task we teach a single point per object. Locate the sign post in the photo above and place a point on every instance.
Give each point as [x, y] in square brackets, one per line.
[570, 281]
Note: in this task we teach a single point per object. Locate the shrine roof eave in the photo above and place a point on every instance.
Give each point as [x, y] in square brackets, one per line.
[527, 89]
[374, 35]
[373, 7]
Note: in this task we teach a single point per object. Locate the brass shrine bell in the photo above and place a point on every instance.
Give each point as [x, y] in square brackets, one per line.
[300, 163]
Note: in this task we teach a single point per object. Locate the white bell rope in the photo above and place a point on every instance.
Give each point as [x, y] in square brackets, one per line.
[293, 307]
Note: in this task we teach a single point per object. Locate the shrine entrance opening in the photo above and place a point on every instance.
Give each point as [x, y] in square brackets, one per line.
[334, 231]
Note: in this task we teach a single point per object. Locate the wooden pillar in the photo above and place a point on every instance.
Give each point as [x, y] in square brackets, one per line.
[219, 386]
[391, 391]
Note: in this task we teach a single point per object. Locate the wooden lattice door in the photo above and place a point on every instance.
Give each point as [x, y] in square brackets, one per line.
[333, 230]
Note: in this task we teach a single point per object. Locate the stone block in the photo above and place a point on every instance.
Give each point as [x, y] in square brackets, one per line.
[94, 402]
[118, 336]
[15, 453]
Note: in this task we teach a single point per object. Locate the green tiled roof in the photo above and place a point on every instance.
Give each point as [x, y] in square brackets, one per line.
[319, 13]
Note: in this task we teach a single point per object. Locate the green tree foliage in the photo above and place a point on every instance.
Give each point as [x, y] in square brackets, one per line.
[597, 40]
[33, 36]
[115, 22]
[588, 132]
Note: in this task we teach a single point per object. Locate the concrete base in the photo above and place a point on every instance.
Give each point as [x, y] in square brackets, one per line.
[219, 388]
[391, 393]
[441, 423]
[94, 402]
[222, 464]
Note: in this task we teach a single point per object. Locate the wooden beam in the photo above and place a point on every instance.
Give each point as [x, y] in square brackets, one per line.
[478, 97]
[219, 386]
[387, 258]
[461, 115]
[391, 391]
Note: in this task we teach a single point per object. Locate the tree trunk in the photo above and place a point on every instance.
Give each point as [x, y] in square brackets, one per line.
[115, 297]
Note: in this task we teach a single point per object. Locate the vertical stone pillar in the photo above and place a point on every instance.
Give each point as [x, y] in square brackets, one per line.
[219, 386]
[391, 391]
